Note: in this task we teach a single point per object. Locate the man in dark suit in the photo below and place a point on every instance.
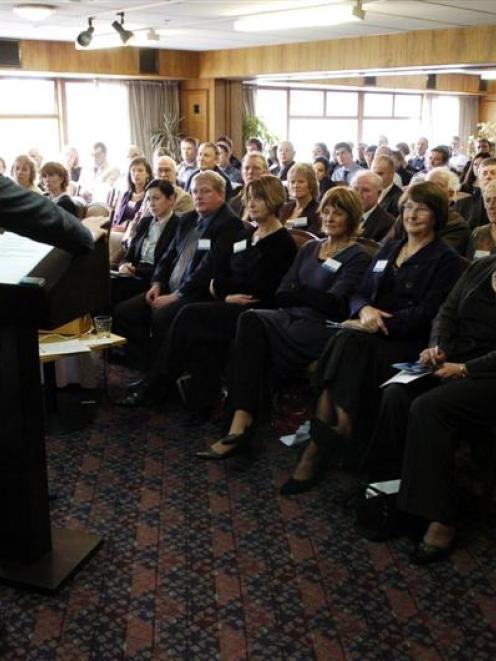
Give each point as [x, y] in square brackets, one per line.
[202, 244]
[36, 217]
[253, 166]
[208, 159]
[391, 193]
[375, 221]
[285, 160]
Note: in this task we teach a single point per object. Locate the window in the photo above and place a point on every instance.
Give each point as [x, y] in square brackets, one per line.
[303, 133]
[28, 118]
[306, 116]
[272, 108]
[98, 112]
[306, 102]
[378, 105]
[342, 104]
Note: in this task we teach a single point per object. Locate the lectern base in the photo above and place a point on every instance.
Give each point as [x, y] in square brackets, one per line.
[71, 550]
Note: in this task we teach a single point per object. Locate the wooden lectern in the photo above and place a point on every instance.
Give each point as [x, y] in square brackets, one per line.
[53, 291]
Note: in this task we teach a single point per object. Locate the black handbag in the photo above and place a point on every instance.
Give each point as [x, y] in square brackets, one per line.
[375, 514]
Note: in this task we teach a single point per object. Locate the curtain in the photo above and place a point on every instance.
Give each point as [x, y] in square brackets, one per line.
[427, 120]
[249, 99]
[469, 115]
[149, 101]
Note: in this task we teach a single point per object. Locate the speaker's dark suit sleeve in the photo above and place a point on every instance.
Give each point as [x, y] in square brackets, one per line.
[32, 215]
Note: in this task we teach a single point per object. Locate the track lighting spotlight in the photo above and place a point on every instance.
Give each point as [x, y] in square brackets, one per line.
[124, 34]
[84, 38]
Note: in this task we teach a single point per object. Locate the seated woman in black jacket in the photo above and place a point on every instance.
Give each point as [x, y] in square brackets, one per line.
[55, 180]
[287, 340]
[433, 412]
[303, 209]
[402, 292]
[153, 236]
[199, 338]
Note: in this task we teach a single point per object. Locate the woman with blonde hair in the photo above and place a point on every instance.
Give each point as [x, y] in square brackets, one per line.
[24, 172]
[303, 208]
[282, 343]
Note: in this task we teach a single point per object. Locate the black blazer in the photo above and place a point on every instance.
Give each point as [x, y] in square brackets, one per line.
[133, 253]
[446, 325]
[311, 213]
[420, 286]
[390, 202]
[32, 215]
[221, 231]
[377, 224]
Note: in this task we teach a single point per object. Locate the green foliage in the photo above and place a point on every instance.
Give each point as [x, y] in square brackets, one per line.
[254, 127]
[167, 136]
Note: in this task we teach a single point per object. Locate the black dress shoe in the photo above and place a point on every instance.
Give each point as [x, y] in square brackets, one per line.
[425, 554]
[292, 487]
[134, 399]
[238, 443]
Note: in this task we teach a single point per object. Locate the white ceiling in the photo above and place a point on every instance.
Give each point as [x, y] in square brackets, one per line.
[208, 24]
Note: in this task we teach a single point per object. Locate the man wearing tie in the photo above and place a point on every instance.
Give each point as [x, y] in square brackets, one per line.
[375, 221]
[202, 243]
[347, 167]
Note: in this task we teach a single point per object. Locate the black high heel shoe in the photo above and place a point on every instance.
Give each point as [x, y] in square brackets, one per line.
[238, 443]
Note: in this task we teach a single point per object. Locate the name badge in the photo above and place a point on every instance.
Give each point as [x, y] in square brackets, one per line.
[479, 254]
[239, 246]
[204, 244]
[297, 222]
[332, 265]
[380, 265]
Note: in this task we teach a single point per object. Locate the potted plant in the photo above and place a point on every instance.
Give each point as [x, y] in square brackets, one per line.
[167, 135]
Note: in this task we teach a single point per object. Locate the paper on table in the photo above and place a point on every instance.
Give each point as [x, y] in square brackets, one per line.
[63, 348]
[19, 256]
[403, 377]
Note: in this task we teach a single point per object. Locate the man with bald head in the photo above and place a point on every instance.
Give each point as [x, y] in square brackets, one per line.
[391, 193]
[166, 169]
[375, 221]
[285, 160]
[253, 166]
[418, 162]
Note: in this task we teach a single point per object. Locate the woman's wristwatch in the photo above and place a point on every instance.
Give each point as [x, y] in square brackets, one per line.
[463, 371]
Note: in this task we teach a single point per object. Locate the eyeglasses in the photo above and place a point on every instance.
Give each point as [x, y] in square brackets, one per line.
[421, 211]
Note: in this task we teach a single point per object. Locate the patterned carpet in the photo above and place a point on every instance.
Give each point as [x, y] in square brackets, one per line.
[205, 562]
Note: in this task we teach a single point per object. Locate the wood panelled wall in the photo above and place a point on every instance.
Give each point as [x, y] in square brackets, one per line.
[62, 57]
[472, 45]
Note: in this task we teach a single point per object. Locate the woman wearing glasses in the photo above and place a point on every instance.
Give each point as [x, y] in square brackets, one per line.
[391, 315]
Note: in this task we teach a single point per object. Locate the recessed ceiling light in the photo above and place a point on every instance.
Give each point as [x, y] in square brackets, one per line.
[33, 12]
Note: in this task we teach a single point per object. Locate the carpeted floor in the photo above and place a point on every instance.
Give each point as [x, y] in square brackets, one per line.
[206, 561]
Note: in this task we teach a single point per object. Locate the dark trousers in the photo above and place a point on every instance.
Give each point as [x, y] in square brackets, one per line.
[249, 374]
[198, 342]
[435, 420]
[144, 327]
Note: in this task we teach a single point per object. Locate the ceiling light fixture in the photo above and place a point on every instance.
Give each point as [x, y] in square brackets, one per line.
[33, 11]
[334, 14]
[125, 35]
[84, 38]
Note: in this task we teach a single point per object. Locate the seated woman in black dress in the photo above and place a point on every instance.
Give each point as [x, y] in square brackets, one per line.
[199, 338]
[402, 292]
[55, 180]
[316, 289]
[153, 235]
[303, 209]
[433, 412]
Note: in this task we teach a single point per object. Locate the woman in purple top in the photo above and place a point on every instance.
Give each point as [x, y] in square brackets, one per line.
[140, 173]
